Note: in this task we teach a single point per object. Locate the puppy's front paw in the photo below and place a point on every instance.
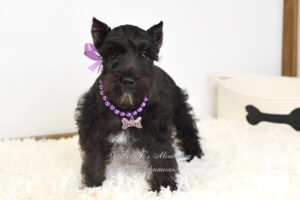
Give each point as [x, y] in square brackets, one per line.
[192, 151]
[163, 181]
[157, 188]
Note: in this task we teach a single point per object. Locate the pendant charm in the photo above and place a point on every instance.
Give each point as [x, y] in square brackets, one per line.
[131, 123]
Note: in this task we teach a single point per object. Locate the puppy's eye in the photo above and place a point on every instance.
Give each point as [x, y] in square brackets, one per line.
[113, 54]
[145, 54]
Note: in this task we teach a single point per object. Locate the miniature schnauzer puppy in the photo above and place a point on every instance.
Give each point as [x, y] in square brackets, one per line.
[137, 100]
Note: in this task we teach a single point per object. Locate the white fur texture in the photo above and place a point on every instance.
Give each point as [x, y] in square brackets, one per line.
[239, 163]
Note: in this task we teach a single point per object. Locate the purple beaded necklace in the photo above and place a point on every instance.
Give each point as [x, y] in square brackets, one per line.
[126, 123]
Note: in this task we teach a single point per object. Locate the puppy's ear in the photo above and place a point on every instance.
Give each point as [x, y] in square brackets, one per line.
[99, 31]
[156, 32]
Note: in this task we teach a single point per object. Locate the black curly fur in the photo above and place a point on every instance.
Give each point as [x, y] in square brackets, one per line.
[167, 109]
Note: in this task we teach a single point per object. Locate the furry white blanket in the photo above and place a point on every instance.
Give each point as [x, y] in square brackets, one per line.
[239, 163]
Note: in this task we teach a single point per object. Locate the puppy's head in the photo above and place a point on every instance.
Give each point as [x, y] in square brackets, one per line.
[128, 54]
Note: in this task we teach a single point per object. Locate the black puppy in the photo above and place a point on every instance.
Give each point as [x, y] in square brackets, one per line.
[137, 101]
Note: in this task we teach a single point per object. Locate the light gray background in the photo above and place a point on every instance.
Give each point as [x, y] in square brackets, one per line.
[43, 70]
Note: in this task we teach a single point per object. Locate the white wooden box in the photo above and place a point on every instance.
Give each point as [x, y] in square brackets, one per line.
[276, 97]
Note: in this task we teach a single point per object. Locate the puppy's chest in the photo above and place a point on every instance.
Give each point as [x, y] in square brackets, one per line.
[123, 149]
[122, 142]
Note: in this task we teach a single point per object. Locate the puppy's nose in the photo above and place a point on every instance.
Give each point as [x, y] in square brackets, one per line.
[127, 81]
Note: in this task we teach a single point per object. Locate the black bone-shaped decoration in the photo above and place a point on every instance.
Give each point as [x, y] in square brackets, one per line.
[255, 116]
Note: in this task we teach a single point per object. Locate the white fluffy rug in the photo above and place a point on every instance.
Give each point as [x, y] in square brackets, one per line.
[239, 163]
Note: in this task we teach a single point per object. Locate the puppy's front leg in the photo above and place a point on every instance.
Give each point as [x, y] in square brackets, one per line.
[186, 128]
[94, 164]
[162, 166]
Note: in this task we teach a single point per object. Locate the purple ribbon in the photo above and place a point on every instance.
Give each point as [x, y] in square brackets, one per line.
[91, 52]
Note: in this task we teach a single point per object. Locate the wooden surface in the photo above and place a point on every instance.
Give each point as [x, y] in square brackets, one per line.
[55, 136]
[290, 41]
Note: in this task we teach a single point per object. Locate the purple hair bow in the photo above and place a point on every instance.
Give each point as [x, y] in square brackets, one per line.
[91, 52]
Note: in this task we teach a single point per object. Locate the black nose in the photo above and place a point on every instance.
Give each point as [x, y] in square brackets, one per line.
[127, 81]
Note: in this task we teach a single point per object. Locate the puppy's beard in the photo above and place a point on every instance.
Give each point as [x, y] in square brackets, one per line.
[126, 99]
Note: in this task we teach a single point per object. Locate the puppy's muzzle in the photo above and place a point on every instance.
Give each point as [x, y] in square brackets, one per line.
[127, 81]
